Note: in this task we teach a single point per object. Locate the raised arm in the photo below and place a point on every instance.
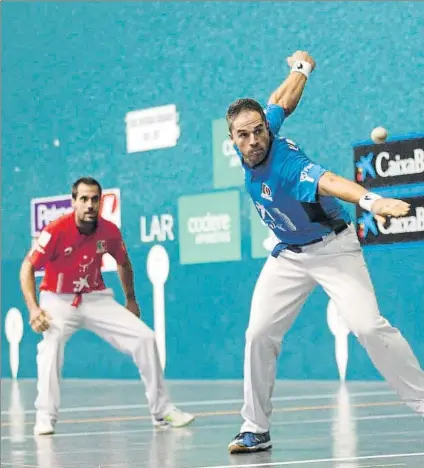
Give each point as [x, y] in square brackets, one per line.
[288, 94]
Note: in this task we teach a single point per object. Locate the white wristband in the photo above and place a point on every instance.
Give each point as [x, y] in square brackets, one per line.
[366, 201]
[303, 67]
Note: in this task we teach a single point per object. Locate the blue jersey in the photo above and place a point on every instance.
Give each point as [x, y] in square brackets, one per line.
[284, 190]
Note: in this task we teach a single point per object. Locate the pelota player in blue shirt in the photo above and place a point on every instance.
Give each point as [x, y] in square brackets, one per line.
[297, 199]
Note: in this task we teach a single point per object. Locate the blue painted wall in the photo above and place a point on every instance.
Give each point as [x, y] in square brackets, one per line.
[72, 71]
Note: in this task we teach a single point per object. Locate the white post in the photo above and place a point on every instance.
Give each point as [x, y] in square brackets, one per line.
[158, 271]
[340, 331]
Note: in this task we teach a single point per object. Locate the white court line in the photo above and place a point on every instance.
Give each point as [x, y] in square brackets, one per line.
[85, 434]
[385, 465]
[324, 396]
[18, 466]
[321, 460]
[219, 426]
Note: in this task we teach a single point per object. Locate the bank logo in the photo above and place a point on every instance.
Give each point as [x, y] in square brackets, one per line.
[394, 230]
[209, 227]
[367, 225]
[364, 168]
[391, 163]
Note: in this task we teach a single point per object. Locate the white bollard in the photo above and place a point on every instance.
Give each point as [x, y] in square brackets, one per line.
[340, 331]
[14, 329]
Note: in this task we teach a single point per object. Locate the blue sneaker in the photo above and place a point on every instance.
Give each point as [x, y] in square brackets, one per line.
[250, 442]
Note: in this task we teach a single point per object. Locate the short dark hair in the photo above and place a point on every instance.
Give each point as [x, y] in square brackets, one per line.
[241, 105]
[85, 181]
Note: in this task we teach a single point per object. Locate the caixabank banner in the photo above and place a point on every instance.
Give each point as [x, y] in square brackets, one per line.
[383, 168]
[405, 229]
[396, 162]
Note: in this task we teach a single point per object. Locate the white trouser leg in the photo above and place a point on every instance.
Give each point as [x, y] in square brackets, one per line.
[280, 292]
[127, 333]
[50, 351]
[340, 268]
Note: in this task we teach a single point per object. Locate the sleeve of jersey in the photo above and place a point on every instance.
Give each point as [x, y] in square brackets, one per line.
[43, 248]
[117, 248]
[275, 116]
[301, 176]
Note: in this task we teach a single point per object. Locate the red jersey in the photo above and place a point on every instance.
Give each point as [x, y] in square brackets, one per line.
[73, 260]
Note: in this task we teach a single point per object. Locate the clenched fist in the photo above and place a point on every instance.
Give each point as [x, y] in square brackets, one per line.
[301, 55]
[39, 320]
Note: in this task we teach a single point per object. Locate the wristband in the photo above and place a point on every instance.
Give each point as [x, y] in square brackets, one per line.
[301, 66]
[366, 201]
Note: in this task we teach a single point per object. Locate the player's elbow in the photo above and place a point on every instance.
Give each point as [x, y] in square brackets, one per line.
[126, 264]
[283, 103]
[326, 183]
[273, 99]
[289, 105]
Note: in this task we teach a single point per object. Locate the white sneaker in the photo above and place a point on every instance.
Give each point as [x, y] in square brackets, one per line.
[44, 425]
[174, 418]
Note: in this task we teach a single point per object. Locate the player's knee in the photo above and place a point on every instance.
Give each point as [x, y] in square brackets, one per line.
[52, 344]
[149, 336]
[54, 335]
[369, 328]
[363, 331]
[145, 337]
[258, 334]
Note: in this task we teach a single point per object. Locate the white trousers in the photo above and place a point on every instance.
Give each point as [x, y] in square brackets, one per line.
[101, 314]
[337, 264]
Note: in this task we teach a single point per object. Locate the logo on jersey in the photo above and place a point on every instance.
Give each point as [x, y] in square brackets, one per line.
[394, 230]
[68, 251]
[292, 144]
[81, 284]
[101, 247]
[275, 219]
[304, 175]
[84, 266]
[391, 163]
[41, 242]
[266, 192]
[44, 239]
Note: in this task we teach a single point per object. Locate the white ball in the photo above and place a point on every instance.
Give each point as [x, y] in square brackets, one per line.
[379, 135]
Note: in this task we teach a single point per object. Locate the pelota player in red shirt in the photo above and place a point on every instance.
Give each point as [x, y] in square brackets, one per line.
[73, 296]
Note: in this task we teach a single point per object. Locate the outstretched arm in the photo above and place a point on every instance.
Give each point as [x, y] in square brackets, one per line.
[288, 94]
[333, 185]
